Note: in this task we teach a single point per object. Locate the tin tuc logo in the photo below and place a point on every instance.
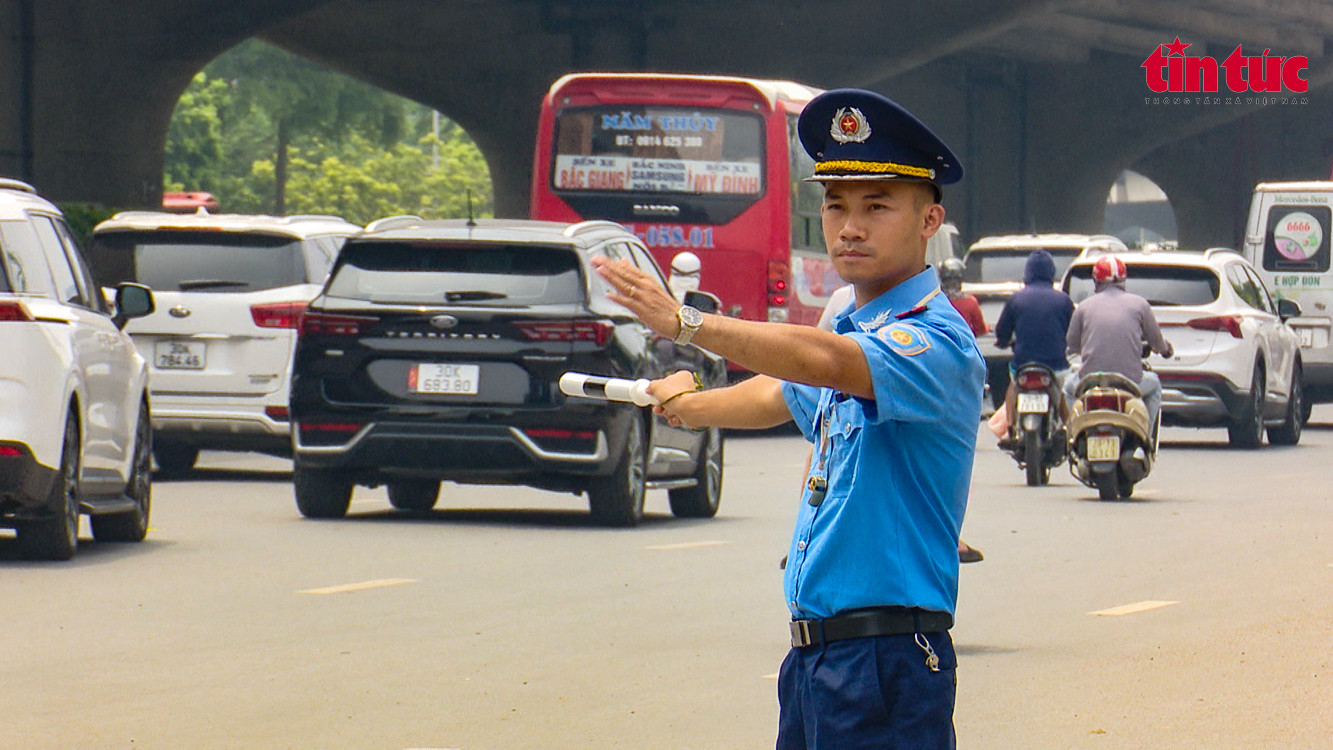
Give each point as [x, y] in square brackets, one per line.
[1167, 69]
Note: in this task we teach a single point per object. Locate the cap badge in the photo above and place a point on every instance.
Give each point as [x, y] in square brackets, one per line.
[849, 126]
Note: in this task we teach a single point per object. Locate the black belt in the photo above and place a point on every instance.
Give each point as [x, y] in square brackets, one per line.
[866, 623]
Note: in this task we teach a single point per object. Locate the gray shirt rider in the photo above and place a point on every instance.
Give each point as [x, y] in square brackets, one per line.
[1108, 330]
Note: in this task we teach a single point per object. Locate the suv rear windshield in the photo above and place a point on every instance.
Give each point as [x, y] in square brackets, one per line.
[1163, 286]
[985, 266]
[501, 275]
[198, 261]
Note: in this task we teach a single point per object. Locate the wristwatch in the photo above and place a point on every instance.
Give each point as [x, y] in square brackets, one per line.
[690, 319]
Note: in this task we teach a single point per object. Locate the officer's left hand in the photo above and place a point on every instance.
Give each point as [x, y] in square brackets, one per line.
[643, 296]
[671, 392]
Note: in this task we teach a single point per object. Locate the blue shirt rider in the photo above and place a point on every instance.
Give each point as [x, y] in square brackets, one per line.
[1035, 320]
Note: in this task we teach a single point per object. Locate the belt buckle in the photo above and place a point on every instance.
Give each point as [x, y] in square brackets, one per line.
[800, 634]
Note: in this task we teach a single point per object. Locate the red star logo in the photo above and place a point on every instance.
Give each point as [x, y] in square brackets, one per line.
[848, 125]
[1175, 48]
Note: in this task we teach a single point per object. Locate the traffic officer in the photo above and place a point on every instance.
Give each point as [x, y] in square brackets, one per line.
[891, 400]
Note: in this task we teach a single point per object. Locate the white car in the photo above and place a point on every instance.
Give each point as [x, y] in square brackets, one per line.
[1237, 363]
[74, 426]
[230, 291]
[993, 270]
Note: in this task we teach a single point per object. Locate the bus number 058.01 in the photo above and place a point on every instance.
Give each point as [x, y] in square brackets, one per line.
[676, 236]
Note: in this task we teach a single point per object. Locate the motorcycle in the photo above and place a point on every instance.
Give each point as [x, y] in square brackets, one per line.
[1112, 443]
[1039, 441]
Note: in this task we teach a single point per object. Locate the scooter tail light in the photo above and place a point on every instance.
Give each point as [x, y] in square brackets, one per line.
[1034, 381]
[1104, 402]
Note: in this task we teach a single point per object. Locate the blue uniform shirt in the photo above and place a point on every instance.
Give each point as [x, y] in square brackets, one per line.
[897, 468]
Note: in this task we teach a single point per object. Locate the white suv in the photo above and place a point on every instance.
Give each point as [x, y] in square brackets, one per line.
[230, 292]
[1237, 363]
[74, 426]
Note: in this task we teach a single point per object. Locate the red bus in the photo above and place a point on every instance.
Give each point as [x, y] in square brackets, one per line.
[709, 164]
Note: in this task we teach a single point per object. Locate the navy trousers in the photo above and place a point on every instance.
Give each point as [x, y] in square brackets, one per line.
[868, 693]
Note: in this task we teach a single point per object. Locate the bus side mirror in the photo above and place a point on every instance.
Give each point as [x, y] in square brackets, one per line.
[1287, 309]
[705, 302]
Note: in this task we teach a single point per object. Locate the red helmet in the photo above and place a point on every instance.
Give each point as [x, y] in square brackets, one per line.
[1109, 268]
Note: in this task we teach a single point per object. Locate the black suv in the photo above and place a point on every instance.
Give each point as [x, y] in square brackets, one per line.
[434, 352]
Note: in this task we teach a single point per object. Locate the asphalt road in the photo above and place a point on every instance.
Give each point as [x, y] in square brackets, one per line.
[503, 620]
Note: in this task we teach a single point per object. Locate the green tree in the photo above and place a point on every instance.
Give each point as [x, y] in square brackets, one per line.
[265, 131]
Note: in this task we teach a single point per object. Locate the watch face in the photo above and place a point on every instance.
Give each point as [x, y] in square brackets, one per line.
[691, 317]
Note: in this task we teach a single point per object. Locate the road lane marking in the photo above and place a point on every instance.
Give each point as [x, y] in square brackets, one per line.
[349, 587]
[1132, 609]
[685, 545]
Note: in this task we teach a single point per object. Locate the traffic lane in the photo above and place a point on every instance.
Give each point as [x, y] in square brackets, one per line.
[503, 619]
[1238, 539]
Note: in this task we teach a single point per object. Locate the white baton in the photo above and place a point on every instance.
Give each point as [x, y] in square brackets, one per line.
[606, 389]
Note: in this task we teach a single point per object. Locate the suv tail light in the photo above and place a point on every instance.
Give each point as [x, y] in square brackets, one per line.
[563, 441]
[1104, 401]
[278, 314]
[596, 331]
[14, 310]
[323, 324]
[1034, 380]
[1228, 323]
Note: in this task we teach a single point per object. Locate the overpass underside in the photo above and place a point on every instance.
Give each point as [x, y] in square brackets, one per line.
[1045, 100]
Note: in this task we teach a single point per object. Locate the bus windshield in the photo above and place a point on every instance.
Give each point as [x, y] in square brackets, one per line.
[650, 149]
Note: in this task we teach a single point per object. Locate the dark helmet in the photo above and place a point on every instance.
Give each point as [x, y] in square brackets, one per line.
[951, 272]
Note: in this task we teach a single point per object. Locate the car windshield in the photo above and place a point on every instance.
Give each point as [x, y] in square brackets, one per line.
[481, 274]
[1162, 286]
[986, 266]
[193, 261]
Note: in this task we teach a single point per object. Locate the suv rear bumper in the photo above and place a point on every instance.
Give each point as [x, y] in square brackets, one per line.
[225, 423]
[24, 481]
[1200, 400]
[467, 453]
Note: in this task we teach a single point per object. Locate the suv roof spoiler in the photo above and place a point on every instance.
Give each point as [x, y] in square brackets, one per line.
[393, 222]
[11, 184]
[585, 226]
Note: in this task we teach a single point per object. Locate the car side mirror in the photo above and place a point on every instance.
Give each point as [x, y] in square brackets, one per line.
[1287, 309]
[133, 301]
[705, 302]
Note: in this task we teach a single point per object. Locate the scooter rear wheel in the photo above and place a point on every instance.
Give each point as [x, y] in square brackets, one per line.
[1106, 486]
[1038, 473]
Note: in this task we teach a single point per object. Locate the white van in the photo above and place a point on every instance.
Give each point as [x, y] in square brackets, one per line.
[1287, 240]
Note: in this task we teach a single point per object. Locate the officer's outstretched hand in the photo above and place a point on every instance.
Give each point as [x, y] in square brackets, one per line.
[641, 294]
[671, 394]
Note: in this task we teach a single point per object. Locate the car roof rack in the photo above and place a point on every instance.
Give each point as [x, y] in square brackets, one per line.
[12, 184]
[591, 224]
[394, 222]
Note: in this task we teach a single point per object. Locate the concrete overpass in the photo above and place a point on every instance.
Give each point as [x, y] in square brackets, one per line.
[1045, 100]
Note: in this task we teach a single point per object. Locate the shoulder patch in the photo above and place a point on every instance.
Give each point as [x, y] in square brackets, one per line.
[904, 339]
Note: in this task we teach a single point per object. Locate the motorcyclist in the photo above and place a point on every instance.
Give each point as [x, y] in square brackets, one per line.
[1108, 330]
[951, 283]
[685, 267]
[1035, 321]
